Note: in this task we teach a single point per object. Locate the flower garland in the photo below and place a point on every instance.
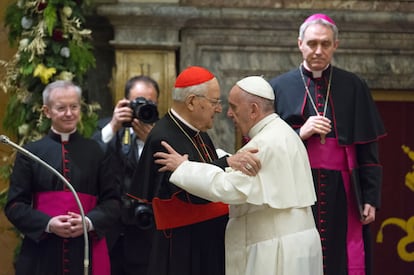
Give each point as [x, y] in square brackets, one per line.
[52, 44]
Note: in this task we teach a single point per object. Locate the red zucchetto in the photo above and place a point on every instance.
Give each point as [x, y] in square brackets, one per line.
[317, 16]
[192, 76]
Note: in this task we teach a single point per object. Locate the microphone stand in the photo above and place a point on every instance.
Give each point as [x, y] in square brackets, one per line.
[4, 139]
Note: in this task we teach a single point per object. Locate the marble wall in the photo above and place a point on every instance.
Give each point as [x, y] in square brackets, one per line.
[376, 40]
[364, 5]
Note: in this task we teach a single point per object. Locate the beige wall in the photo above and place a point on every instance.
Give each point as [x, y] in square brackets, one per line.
[7, 238]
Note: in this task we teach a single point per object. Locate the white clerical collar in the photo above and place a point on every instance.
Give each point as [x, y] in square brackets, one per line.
[63, 136]
[261, 124]
[315, 74]
[184, 121]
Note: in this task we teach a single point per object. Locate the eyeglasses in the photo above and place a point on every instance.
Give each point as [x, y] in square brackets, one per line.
[214, 101]
[62, 109]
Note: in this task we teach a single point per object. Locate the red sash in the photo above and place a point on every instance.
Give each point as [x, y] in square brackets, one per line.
[56, 203]
[172, 213]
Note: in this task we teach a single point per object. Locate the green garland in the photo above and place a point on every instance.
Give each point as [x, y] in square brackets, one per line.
[52, 44]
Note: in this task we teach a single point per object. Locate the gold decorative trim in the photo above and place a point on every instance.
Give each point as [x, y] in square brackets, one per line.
[405, 96]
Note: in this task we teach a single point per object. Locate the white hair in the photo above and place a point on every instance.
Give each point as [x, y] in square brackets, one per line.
[59, 84]
[320, 21]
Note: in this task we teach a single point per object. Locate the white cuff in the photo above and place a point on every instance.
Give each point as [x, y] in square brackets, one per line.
[90, 227]
[107, 133]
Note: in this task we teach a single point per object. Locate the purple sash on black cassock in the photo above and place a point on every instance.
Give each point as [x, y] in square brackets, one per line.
[331, 156]
[56, 203]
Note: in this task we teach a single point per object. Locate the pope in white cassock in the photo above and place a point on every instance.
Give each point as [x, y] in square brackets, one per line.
[271, 229]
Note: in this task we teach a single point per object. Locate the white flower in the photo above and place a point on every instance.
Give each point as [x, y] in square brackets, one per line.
[23, 43]
[20, 3]
[67, 11]
[65, 75]
[23, 129]
[65, 52]
[26, 22]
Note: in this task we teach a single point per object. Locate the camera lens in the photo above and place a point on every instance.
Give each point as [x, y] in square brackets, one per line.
[147, 113]
[144, 216]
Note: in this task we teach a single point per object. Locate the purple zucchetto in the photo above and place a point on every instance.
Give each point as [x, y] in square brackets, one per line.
[317, 16]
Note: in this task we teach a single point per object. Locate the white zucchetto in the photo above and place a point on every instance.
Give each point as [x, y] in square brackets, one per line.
[257, 85]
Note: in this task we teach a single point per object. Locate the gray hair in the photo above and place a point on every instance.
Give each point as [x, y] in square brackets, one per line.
[266, 105]
[180, 94]
[65, 84]
[320, 21]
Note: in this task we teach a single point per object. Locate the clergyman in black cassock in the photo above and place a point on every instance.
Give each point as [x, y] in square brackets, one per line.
[190, 231]
[333, 112]
[44, 210]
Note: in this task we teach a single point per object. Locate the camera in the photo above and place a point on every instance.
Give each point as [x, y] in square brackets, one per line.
[137, 213]
[143, 109]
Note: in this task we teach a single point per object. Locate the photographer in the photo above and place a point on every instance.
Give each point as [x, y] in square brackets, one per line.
[123, 137]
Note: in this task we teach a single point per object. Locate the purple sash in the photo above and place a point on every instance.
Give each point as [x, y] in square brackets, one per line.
[56, 203]
[331, 156]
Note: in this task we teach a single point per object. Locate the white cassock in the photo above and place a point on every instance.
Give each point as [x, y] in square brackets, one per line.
[271, 230]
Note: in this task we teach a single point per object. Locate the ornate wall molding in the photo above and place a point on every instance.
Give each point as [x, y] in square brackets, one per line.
[377, 45]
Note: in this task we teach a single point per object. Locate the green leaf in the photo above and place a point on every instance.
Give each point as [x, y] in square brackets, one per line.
[87, 125]
[81, 56]
[3, 193]
[12, 21]
[50, 17]
[15, 113]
